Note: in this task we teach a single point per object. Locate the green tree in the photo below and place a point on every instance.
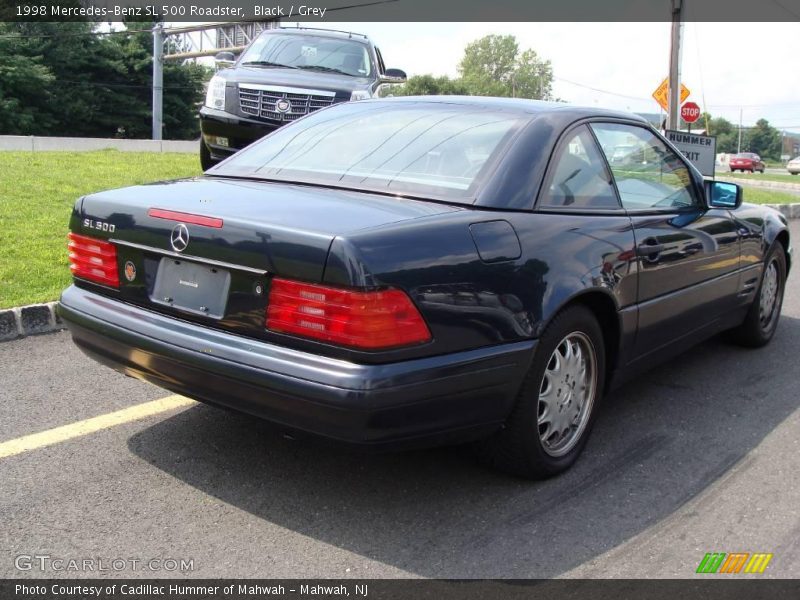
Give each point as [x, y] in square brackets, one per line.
[99, 86]
[533, 77]
[25, 85]
[427, 85]
[764, 140]
[726, 132]
[494, 66]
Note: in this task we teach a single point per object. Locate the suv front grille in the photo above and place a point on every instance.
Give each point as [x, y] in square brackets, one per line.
[281, 104]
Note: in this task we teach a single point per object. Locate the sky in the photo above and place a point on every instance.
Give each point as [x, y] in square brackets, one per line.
[726, 66]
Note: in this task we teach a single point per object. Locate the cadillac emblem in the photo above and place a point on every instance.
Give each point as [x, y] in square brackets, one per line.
[283, 105]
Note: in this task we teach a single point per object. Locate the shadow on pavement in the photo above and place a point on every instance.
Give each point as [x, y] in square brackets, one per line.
[658, 442]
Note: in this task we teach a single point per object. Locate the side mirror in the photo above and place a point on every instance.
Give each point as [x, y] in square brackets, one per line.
[722, 194]
[224, 60]
[393, 76]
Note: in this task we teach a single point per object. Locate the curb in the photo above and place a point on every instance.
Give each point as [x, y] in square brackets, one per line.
[774, 185]
[790, 211]
[29, 320]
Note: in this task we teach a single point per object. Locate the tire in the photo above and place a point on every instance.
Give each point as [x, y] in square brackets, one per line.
[206, 162]
[523, 447]
[760, 323]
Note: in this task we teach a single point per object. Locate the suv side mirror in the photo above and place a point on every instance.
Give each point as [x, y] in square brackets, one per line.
[224, 60]
[393, 76]
[721, 194]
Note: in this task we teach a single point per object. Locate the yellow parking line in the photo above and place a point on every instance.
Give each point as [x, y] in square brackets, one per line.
[87, 426]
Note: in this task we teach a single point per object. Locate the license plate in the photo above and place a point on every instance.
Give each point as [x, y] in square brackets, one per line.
[192, 287]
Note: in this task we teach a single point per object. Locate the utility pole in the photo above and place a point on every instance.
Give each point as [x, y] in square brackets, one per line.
[158, 80]
[674, 102]
[739, 146]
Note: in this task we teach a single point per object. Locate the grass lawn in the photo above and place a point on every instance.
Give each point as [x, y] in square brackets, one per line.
[767, 196]
[37, 191]
[785, 177]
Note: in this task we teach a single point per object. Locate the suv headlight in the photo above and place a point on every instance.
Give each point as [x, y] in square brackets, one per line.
[360, 95]
[215, 96]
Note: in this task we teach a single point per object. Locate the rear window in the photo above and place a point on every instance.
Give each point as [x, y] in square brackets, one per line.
[425, 149]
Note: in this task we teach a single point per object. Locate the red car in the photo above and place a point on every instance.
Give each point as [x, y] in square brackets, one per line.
[747, 161]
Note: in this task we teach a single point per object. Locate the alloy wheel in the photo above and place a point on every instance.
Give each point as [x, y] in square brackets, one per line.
[567, 393]
[770, 288]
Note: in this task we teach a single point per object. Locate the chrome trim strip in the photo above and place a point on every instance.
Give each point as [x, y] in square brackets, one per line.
[285, 90]
[189, 257]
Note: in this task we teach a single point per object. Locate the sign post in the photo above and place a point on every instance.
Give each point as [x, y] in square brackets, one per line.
[700, 150]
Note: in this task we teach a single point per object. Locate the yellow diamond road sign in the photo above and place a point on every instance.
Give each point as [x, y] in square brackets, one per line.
[661, 94]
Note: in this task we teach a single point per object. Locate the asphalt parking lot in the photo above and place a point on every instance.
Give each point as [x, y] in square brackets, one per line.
[700, 455]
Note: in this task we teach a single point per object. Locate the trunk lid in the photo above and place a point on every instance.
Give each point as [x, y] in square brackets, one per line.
[252, 231]
[278, 228]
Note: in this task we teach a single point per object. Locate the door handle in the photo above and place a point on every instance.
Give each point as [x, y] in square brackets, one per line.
[650, 249]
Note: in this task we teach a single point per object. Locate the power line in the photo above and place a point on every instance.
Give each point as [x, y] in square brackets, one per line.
[602, 91]
[753, 105]
[594, 89]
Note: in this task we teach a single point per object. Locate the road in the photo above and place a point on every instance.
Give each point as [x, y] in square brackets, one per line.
[700, 455]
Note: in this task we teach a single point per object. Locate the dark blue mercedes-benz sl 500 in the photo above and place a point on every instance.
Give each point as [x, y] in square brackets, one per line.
[417, 271]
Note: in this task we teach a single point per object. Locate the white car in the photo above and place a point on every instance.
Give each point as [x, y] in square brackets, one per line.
[793, 166]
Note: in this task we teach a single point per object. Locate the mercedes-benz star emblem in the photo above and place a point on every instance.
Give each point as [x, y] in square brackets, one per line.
[179, 238]
[283, 105]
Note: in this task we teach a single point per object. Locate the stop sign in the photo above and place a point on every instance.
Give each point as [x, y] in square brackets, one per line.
[690, 112]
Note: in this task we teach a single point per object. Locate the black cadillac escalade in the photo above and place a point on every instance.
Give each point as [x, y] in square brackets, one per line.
[283, 75]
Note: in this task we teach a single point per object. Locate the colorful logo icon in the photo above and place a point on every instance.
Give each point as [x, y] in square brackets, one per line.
[130, 271]
[734, 562]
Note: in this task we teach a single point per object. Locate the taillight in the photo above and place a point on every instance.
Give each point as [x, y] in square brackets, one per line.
[93, 259]
[367, 320]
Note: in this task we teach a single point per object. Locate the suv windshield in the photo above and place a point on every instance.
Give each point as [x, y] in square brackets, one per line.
[424, 149]
[318, 53]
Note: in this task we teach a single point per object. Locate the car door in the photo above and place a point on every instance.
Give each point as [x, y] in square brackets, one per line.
[688, 254]
[586, 239]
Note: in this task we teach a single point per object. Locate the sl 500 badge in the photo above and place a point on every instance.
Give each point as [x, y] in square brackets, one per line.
[99, 225]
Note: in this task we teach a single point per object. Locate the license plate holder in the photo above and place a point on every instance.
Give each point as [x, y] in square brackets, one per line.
[192, 287]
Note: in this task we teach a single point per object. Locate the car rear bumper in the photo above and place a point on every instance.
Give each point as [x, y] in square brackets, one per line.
[414, 403]
[238, 131]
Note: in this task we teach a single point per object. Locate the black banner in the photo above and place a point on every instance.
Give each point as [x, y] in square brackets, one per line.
[397, 10]
[729, 588]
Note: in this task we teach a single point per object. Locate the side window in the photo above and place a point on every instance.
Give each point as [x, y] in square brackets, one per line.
[647, 173]
[579, 178]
